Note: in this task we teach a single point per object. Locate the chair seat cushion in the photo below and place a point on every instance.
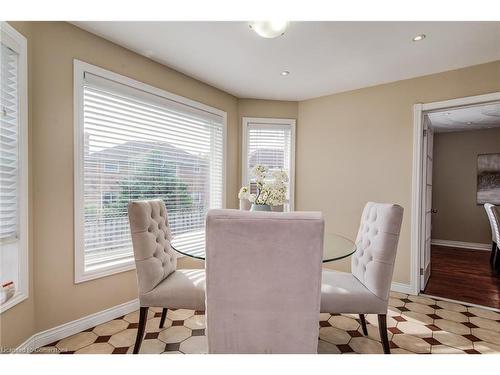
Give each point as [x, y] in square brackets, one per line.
[342, 293]
[182, 289]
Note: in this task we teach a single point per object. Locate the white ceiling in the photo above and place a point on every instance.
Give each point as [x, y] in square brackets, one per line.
[468, 118]
[322, 57]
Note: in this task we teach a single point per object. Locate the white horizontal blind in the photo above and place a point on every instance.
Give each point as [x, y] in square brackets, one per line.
[141, 146]
[9, 145]
[269, 145]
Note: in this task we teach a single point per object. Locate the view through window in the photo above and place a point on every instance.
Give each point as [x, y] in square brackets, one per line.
[139, 146]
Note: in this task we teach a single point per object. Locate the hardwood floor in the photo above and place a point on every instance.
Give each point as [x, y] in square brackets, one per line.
[463, 275]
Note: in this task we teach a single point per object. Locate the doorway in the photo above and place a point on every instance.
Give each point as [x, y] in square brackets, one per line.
[452, 261]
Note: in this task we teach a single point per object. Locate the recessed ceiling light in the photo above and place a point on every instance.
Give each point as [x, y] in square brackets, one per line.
[419, 37]
[269, 29]
[285, 73]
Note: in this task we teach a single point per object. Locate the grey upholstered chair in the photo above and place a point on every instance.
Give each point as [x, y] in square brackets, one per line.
[493, 213]
[366, 289]
[160, 283]
[263, 281]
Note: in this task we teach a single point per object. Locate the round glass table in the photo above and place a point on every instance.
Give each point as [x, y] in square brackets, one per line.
[192, 244]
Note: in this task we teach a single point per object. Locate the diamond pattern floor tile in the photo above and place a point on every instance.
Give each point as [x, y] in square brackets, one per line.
[453, 340]
[452, 315]
[451, 306]
[78, 341]
[344, 323]
[324, 347]
[485, 323]
[111, 327]
[416, 324]
[194, 345]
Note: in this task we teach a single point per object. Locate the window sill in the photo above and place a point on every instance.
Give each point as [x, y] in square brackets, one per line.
[103, 271]
[16, 299]
[97, 272]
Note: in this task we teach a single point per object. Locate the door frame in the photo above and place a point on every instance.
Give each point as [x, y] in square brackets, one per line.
[418, 180]
[428, 133]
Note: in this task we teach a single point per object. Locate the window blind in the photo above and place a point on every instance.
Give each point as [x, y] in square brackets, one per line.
[268, 145]
[9, 145]
[138, 145]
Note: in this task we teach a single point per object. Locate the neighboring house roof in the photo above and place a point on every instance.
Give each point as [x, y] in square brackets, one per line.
[271, 157]
[142, 147]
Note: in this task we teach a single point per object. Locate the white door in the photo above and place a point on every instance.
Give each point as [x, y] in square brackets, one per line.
[425, 253]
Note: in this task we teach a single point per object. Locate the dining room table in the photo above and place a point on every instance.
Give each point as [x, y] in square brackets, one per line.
[192, 244]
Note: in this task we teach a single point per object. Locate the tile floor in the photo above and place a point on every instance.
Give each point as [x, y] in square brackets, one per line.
[416, 324]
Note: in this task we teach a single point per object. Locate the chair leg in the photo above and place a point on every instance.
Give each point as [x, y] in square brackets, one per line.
[363, 324]
[382, 326]
[163, 317]
[496, 261]
[143, 314]
[493, 251]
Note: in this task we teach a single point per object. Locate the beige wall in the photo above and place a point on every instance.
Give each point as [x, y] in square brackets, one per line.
[458, 216]
[267, 108]
[18, 323]
[356, 146]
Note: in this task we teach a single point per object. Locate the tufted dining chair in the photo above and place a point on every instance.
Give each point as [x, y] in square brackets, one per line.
[366, 289]
[160, 283]
[263, 281]
[493, 213]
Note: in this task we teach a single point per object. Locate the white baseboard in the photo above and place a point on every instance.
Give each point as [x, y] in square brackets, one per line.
[462, 245]
[401, 288]
[67, 329]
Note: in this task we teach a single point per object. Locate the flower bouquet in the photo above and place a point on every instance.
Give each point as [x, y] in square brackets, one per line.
[271, 188]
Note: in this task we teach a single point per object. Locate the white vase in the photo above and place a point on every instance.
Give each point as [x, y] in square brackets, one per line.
[260, 207]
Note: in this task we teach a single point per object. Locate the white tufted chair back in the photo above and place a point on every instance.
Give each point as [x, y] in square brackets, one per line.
[494, 218]
[154, 258]
[377, 241]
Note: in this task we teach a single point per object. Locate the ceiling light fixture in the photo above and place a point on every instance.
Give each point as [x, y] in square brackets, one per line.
[269, 29]
[285, 73]
[419, 37]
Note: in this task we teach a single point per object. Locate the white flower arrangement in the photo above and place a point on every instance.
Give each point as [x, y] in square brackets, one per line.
[271, 189]
[243, 194]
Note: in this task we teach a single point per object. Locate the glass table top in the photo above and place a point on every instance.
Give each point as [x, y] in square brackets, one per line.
[192, 244]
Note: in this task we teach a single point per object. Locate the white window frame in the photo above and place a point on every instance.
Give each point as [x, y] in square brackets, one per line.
[79, 69]
[244, 149]
[17, 42]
